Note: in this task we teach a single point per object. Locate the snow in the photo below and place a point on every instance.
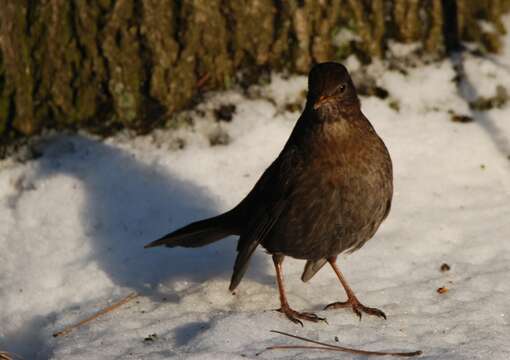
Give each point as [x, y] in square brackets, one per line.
[74, 221]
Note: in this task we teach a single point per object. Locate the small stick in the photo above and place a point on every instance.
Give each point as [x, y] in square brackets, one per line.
[201, 82]
[324, 346]
[106, 310]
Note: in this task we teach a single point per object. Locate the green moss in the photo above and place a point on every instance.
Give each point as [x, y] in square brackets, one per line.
[487, 103]
[343, 51]
[253, 28]
[228, 82]
[90, 72]
[156, 31]
[122, 51]
[126, 101]
[18, 65]
[60, 60]
[394, 104]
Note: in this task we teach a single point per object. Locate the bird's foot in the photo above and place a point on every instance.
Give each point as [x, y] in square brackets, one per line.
[357, 307]
[294, 315]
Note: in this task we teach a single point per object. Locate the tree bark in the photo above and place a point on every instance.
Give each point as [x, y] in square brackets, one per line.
[105, 64]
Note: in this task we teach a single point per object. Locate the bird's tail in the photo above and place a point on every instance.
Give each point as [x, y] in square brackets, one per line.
[198, 234]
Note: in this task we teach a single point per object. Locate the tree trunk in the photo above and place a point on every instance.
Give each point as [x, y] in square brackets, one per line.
[105, 64]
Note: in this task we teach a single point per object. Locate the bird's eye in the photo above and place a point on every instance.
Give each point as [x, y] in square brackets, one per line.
[342, 88]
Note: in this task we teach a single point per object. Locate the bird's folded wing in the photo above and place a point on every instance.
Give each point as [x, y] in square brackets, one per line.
[264, 206]
[251, 239]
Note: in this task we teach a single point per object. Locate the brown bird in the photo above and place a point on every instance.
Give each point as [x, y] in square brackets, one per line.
[326, 193]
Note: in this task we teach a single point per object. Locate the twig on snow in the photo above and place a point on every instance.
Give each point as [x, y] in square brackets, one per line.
[106, 310]
[330, 347]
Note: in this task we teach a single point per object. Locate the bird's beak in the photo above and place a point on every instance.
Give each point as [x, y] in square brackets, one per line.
[321, 101]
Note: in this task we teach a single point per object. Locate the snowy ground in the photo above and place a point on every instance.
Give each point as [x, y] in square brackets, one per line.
[73, 223]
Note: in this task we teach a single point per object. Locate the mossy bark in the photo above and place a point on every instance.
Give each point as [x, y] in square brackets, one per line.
[105, 64]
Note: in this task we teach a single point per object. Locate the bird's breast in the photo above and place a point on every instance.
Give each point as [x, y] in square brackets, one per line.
[340, 196]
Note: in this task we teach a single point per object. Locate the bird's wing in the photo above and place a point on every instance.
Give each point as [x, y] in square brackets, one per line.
[311, 268]
[249, 242]
[262, 208]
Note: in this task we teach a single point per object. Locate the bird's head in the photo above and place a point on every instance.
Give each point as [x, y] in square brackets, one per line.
[330, 89]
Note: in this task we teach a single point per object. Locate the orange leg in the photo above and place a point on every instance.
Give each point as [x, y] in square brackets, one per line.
[291, 314]
[352, 300]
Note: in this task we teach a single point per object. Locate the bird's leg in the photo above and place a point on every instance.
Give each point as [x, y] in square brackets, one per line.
[292, 315]
[352, 300]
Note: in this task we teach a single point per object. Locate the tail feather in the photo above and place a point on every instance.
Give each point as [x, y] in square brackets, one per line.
[311, 268]
[199, 233]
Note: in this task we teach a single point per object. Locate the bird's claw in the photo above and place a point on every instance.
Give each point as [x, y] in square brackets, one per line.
[294, 316]
[357, 307]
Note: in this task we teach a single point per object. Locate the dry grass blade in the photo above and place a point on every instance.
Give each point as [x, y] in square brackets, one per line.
[330, 347]
[106, 310]
[4, 355]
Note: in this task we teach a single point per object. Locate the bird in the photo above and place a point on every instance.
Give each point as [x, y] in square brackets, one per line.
[326, 193]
